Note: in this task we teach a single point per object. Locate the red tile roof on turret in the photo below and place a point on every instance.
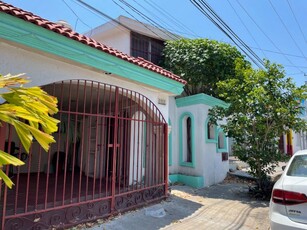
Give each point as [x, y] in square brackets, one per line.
[60, 29]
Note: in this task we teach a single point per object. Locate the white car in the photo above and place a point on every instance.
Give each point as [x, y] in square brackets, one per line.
[288, 205]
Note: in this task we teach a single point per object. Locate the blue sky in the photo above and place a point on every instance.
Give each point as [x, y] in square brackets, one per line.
[274, 29]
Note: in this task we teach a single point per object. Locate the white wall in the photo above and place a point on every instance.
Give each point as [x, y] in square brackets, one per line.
[208, 162]
[173, 116]
[117, 38]
[44, 70]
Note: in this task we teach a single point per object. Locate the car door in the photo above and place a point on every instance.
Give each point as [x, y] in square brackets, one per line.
[295, 189]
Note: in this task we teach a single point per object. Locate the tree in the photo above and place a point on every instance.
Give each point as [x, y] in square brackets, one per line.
[263, 105]
[202, 63]
[27, 109]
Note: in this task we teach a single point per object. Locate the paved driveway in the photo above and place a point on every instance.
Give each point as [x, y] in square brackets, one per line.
[222, 206]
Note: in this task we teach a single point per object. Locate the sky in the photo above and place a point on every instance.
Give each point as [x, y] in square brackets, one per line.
[274, 29]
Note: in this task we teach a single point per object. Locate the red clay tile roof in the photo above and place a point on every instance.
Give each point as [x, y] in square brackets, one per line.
[57, 28]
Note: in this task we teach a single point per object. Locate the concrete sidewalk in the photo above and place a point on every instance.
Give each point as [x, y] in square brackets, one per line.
[222, 206]
[239, 168]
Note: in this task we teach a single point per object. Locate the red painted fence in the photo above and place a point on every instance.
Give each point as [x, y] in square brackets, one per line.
[110, 156]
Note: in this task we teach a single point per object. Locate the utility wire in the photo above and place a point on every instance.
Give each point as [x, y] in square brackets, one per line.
[100, 13]
[226, 30]
[152, 22]
[303, 67]
[147, 26]
[276, 52]
[168, 26]
[286, 28]
[296, 21]
[78, 18]
[168, 16]
[113, 21]
[276, 47]
[208, 7]
[161, 10]
[245, 27]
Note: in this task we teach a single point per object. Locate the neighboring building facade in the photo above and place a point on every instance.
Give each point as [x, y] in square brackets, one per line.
[198, 153]
[111, 153]
[133, 38]
[195, 158]
[296, 141]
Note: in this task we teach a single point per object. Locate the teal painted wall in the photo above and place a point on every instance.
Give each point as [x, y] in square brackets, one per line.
[193, 181]
[29, 35]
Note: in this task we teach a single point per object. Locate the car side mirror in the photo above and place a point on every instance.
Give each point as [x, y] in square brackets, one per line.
[283, 168]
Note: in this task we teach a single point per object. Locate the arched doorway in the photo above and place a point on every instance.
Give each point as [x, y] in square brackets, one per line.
[110, 155]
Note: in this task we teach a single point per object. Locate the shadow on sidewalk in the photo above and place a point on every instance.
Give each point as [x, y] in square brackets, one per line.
[176, 208]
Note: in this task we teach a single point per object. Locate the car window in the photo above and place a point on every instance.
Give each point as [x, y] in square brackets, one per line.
[298, 166]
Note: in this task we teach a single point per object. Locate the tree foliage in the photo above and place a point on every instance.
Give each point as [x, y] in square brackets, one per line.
[28, 110]
[264, 105]
[202, 62]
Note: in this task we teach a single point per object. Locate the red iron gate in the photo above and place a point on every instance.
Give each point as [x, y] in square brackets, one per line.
[110, 156]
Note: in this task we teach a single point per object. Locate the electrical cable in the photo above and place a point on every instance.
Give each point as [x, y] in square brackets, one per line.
[138, 20]
[78, 18]
[276, 47]
[296, 21]
[98, 12]
[230, 36]
[286, 28]
[208, 7]
[166, 14]
[152, 22]
[246, 27]
[168, 26]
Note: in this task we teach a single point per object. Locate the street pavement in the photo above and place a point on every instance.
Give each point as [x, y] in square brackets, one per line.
[222, 206]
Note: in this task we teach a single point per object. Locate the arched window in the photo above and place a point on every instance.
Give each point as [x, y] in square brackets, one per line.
[188, 140]
[187, 146]
[221, 141]
[210, 132]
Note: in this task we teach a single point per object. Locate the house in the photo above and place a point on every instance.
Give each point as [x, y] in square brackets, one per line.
[295, 141]
[198, 151]
[133, 38]
[111, 151]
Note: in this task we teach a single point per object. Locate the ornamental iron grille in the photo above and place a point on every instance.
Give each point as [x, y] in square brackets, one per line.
[110, 156]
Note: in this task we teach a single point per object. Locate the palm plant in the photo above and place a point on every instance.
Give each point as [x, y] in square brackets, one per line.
[28, 110]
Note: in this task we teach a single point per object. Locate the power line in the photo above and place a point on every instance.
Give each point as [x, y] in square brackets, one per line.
[276, 47]
[78, 18]
[276, 52]
[208, 7]
[170, 17]
[114, 21]
[168, 26]
[286, 28]
[137, 20]
[152, 22]
[100, 13]
[303, 67]
[231, 31]
[245, 26]
[296, 21]
[227, 31]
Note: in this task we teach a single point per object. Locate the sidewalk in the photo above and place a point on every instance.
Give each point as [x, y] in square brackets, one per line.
[240, 169]
[222, 206]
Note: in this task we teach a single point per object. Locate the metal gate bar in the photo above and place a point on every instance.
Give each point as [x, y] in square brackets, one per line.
[110, 156]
